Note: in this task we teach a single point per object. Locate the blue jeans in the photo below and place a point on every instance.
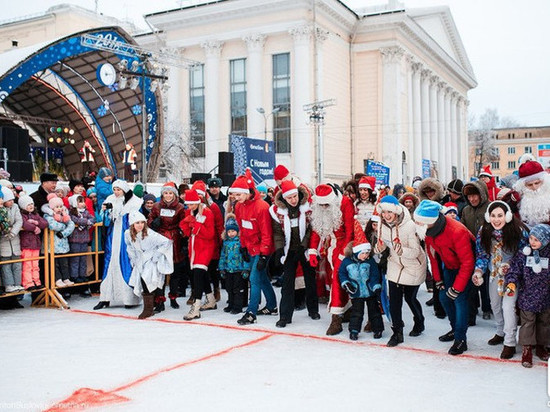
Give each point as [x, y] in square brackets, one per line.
[456, 310]
[259, 282]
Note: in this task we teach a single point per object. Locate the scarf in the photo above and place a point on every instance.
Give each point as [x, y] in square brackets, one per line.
[496, 261]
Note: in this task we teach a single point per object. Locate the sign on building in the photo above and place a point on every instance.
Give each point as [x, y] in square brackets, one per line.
[543, 155]
[256, 154]
[426, 168]
[380, 171]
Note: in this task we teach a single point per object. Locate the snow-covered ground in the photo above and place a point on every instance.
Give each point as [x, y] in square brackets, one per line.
[80, 359]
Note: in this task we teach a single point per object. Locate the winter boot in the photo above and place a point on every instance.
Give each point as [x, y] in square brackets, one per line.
[101, 305]
[159, 304]
[191, 299]
[368, 327]
[353, 335]
[194, 313]
[417, 329]
[148, 303]
[448, 337]
[458, 348]
[210, 302]
[496, 340]
[335, 326]
[217, 294]
[396, 338]
[173, 303]
[541, 352]
[508, 352]
[346, 316]
[527, 356]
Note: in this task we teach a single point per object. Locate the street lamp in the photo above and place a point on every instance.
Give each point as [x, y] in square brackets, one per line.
[261, 110]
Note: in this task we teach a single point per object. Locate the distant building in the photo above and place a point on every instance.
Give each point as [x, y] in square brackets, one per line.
[510, 144]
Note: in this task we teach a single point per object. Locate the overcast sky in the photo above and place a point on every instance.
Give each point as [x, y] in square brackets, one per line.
[506, 41]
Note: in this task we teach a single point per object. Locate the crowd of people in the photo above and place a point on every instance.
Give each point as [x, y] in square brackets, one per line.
[473, 245]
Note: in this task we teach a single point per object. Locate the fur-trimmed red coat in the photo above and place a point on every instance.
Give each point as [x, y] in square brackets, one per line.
[200, 229]
[254, 223]
[170, 217]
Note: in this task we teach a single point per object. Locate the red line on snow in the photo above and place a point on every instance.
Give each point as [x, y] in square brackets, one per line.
[304, 335]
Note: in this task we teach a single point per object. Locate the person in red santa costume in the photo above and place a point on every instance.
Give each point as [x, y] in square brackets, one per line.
[487, 177]
[291, 234]
[531, 195]
[332, 229]
[366, 201]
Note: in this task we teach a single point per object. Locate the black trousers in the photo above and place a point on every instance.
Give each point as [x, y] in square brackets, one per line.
[201, 283]
[175, 279]
[236, 286]
[474, 295]
[214, 274]
[61, 268]
[289, 279]
[358, 310]
[397, 293]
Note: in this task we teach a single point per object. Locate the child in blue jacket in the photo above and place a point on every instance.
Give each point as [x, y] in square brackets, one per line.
[359, 276]
[233, 268]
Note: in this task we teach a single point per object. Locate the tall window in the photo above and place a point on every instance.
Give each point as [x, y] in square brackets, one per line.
[196, 110]
[511, 165]
[511, 150]
[528, 149]
[238, 96]
[281, 100]
[495, 165]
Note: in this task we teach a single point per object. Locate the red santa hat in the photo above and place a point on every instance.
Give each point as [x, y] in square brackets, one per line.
[367, 182]
[240, 185]
[192, 197]
[450, 207]
[531, 170]
[324, 194]
[486, 171]
[200, 187]
[288, 188]
[360, 242]
[280, 172]
[169, 187]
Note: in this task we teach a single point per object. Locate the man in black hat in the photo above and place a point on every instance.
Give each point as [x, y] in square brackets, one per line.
[48, 182]
[214, 189]
[454, 194]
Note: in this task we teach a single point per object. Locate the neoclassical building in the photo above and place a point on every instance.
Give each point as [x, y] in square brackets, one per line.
[397, 79]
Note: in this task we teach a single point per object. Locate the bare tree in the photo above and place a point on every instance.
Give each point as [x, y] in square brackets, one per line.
[177, 152]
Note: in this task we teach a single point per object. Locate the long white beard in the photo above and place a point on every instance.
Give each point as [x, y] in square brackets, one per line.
[324, 221]
[534, 207]
[421, 231]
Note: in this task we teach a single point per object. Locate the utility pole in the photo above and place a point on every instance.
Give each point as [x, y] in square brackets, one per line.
[316, 112]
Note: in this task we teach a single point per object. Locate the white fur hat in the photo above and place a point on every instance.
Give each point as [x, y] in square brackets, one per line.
[135, 216]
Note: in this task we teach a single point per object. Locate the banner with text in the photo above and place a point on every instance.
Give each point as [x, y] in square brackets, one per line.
[256, 154]
[543, 155]
[380, 171]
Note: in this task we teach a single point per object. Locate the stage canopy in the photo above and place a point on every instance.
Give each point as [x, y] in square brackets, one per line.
[59, 80]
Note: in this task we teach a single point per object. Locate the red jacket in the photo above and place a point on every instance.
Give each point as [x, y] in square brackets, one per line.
[254, 223]
[454, 246]
[492, 189]
[219, 227]
[200, 229]
[170, 217]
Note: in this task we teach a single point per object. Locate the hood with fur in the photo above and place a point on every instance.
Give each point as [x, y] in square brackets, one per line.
[431, 183]
[476, 187]
[302, 193]
[410, 195]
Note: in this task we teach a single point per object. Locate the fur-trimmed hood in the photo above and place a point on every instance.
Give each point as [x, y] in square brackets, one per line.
[476, 187]
[281, 204]
[409, 195]
[431, 183]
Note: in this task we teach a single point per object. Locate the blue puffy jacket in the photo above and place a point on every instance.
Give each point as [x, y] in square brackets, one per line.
[364, 276]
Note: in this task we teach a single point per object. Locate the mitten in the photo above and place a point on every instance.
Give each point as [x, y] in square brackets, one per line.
[511, 289]
[349, 287]
[57, 217]
[477, 278]
[262, 262]
[245, 274]
[59, 235]
[155, 224]
[439, 285]
[222, 274]
[245, 254]
[66, 218]
[313, 261]
[452, 293]
[279, 253]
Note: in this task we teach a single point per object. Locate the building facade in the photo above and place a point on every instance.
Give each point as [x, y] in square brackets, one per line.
[512, 143]
[399, 79]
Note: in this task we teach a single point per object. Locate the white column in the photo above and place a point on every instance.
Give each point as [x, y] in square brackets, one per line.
[302, 143]
[417, 119]
[433, 120]
[212, 50]
[441, 128]
[254, 99]
[391, 111]
[320, 36]
[454, 135]
[410, 116]
[425, 96]
[173, 98]
[463, 138]
[448, 145]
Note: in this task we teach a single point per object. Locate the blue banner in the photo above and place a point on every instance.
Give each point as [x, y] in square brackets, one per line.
[256, 154]
[426, 168]
[380, 171]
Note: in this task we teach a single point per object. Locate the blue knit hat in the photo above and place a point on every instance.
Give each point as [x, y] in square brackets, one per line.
[231, 224]
[389, 203]
[542, 233]
[91, 191]
[427, 212]
[262, 187]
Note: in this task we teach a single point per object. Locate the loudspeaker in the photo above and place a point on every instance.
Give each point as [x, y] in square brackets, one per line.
[20, 171]
[227, 178]
[10, 142]
[23, 150]
[200, 176]
[225, 163]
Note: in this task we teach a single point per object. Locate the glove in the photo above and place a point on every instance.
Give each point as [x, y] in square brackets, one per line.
[245, 274]
[313, 261]
[155, 224]
[245, 254]
[397, 247]
[349, 287]
[279, 253]
[59, 235]
[452, 293]
[262, 262]
[477, 278]
[378, 293]
[57, 217]
[66, 218]
[222, 274]
[510, 289]
[439, 285]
